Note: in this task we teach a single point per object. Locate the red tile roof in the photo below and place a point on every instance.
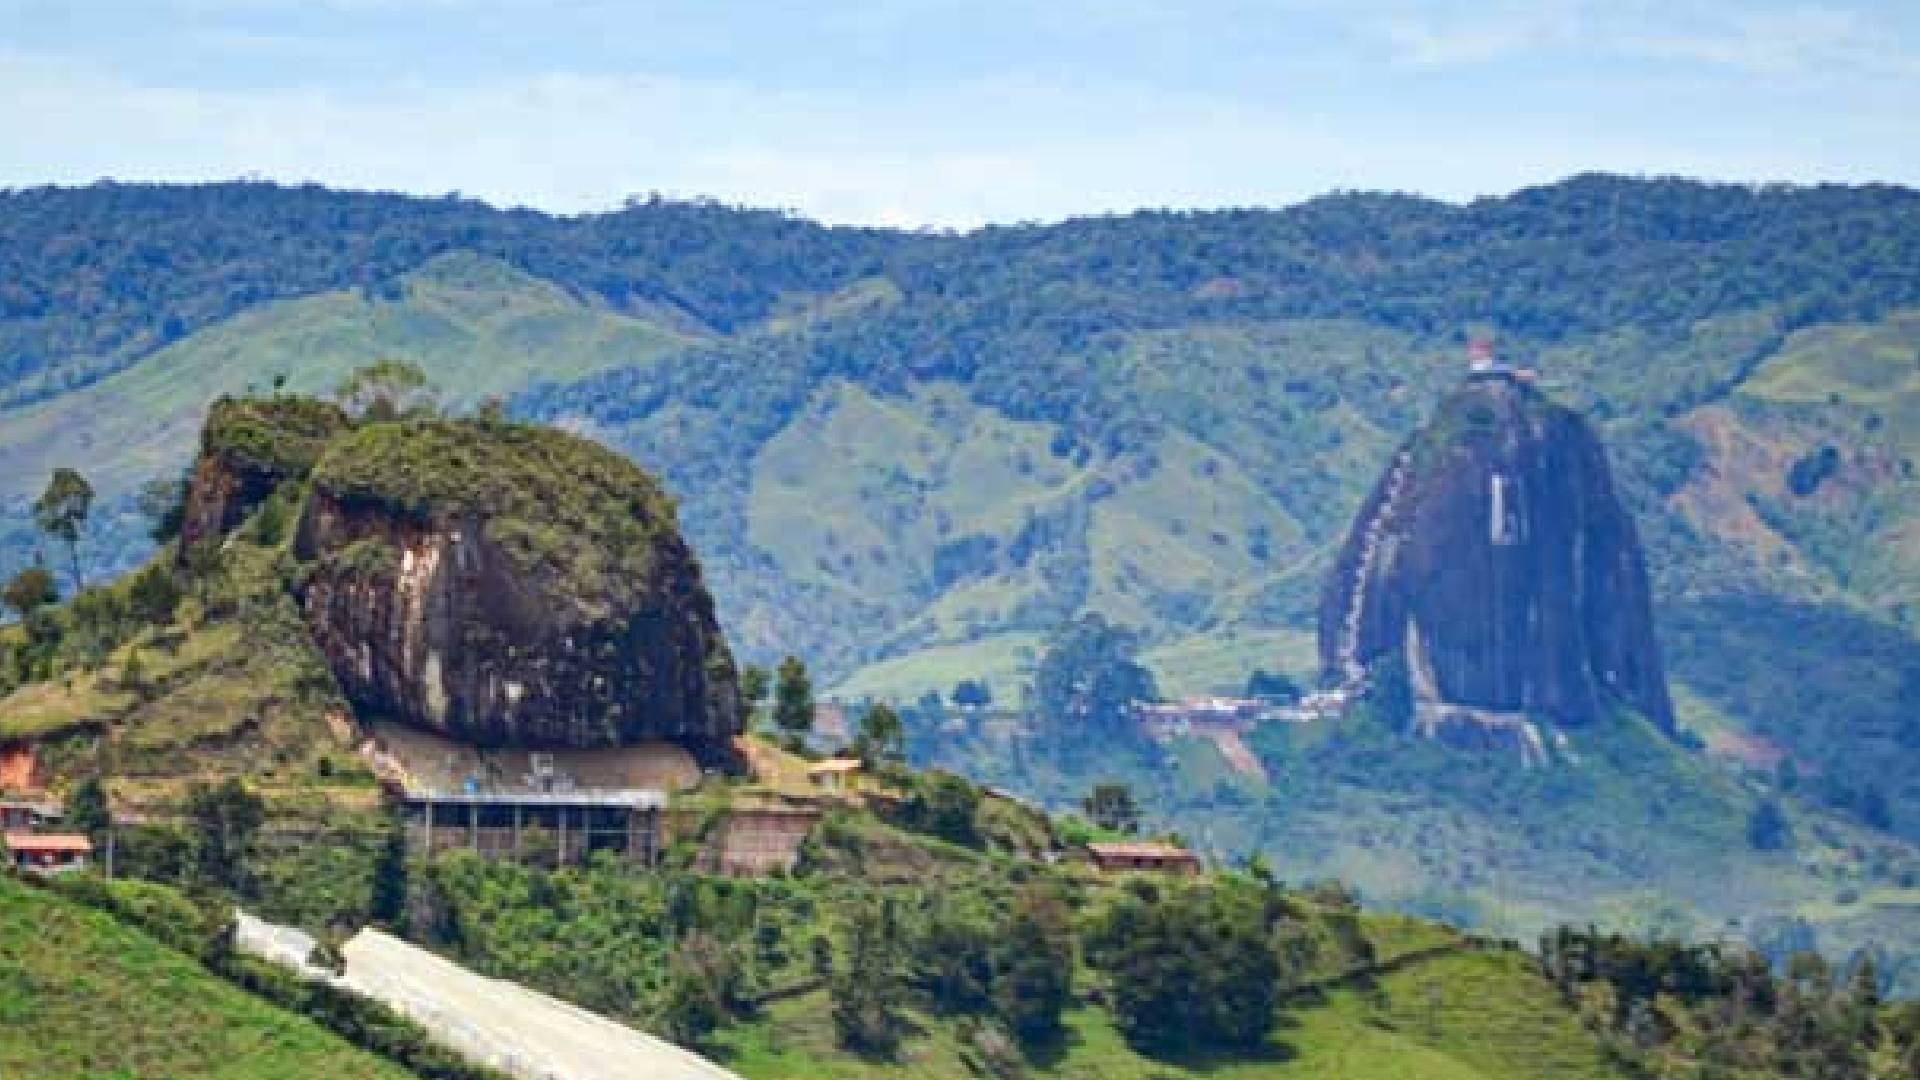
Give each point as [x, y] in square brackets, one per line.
[1141, 850]
[49, 842]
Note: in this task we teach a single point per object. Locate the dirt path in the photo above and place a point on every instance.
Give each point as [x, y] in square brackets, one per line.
[498, 1023]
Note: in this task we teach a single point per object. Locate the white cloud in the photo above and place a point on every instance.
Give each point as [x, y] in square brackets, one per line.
[1024, 144]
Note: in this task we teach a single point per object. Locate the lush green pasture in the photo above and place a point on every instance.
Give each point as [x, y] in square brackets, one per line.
[82, 995]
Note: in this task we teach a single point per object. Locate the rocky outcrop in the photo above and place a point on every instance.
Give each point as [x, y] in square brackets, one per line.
[1495, 560]
[248, 448]
[512, 586]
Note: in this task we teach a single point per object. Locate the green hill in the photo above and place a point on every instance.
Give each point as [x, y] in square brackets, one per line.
[475, 326]
[909, 457]
[82, 995]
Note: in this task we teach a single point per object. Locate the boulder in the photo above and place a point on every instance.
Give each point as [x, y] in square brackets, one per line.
[1495, 559]
[510, 585]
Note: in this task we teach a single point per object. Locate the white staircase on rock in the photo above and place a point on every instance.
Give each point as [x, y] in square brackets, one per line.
[1371, 543]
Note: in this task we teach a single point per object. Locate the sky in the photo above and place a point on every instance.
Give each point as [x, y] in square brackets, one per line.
[927, 113]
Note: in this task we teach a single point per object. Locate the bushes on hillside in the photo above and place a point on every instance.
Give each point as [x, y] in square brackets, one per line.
[1192, 967]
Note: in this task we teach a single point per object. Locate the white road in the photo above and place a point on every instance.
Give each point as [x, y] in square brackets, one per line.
[497, 1023]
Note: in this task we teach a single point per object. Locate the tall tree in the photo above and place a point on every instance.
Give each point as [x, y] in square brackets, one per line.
[755, 681]
[869, 990]
[225, 818]
[30, 590]
[153, 594]
[389, 901]
[387, 390]
[882, 736]
[61, 512]
[87, 807]
[1111, 805]
[1033, 965]
[793, 706]
[1088, 680]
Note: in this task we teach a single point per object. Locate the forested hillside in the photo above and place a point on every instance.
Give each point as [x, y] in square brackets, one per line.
[909, 457]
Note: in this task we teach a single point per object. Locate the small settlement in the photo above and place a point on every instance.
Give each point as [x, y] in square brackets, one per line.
[47, 853]
[564, 806]
[33, 841]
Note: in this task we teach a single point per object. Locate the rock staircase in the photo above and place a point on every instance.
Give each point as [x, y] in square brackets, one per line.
[1371, 542]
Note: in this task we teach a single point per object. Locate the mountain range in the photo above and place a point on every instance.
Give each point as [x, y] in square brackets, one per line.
[909, 456]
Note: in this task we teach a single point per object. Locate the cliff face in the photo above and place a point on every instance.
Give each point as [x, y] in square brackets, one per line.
[1495, 560]
[247, 449]
[512, 586]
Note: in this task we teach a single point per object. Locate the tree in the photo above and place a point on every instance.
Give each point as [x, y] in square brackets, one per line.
[793, 706]
[972, 693]
[1389, 693]
[30, 590]
[705, 986]
[61, 512]
[1767, 828]
[882, 736]
[87, 809]
[868, 990]
[1111, 805]
[389, 900]
[133, 676]
[164, 504]
[153, 594]
[97, 618]
[1033, 965]
[1193, 968]
[755, 680]
[930, 710]
[1088, 681]
[387, 390]
[955, 958]
[1273, 686]
[944, 805]
[225, 817]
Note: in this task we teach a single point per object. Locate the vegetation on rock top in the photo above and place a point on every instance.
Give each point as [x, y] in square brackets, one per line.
[568, 510]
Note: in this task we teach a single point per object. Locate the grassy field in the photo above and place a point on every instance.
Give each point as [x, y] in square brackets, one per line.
[477, 327]
[83, 996]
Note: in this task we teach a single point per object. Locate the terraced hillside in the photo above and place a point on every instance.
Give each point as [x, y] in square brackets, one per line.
[84, 995]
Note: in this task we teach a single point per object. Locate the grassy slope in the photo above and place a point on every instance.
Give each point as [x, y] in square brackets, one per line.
[1456, 1016]
[1430, 1003]
[83, 995]
[240, 693]
[476, 326]
[1634, 833]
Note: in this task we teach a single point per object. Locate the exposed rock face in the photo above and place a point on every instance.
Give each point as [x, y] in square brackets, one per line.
[1495, 560]
[512, 586]
[247, 449]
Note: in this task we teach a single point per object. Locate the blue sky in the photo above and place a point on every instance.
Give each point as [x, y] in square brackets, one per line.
[926, 112]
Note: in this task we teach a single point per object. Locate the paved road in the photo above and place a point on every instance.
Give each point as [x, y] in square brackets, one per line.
[499, 1023]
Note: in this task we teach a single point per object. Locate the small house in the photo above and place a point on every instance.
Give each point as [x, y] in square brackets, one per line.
[19, 815]
[1144, 856]
[835, 775]
[47, 853]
